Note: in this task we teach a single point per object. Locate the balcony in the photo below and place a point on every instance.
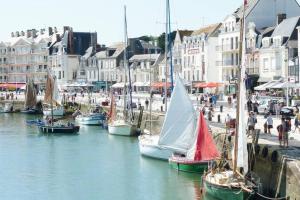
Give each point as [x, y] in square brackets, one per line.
[252, 71]
[227, 48]
[226, 63]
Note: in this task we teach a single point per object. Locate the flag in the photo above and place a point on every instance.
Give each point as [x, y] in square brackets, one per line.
[245, 2]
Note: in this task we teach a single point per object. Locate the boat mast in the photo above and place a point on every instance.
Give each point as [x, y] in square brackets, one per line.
[170, 48]
[126, 67]
[241, 42]
[52, 87]
[166, 57]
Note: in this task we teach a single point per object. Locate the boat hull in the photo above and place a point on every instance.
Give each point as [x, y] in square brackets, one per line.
[188, 166]
[123, 130]
[56, 112]
[90, 120]
[59, 129]
[220, 192]
[154, 151]
[30, 111]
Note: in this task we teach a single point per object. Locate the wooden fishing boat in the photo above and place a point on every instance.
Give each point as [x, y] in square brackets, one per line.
[61, 129]
[230, 184]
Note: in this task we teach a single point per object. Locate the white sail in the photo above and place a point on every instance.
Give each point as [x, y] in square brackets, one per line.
[242, 156]
[178, 131]
[56, 96]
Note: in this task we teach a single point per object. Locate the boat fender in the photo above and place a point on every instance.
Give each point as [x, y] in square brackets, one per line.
[265, 152]
[274, 156]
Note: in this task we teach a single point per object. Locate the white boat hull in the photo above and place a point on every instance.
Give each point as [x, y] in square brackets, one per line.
[150, 148]
[121, 129]
[56, 111]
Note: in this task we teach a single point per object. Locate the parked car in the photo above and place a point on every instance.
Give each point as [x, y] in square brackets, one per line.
[287, 111]
[264, 105]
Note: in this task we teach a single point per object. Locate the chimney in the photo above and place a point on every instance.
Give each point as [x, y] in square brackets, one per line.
[12, 34]
[22, 33]
[50, 31]
[29, 33]
[57, 38]
[17, 34]
[280, 18]
[34, 33]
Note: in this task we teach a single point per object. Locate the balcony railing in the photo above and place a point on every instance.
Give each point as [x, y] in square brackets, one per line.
[252, 70]
[226, 63]
[227, 48]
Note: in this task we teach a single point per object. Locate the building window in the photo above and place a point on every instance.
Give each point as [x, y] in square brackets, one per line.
[265, 64]
[63, 74]
[59, 74]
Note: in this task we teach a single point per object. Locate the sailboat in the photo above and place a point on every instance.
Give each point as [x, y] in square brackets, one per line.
[124, 125]
[201, 153]
[50, 127]
[178, 132]
[230, 183]
[52, 96]
[30, 99]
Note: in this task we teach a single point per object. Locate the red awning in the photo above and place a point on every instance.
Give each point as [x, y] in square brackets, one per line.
[160, 84]
[207, 85]
[12, 86]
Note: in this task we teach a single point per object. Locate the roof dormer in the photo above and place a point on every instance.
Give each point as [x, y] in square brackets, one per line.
[266, 42]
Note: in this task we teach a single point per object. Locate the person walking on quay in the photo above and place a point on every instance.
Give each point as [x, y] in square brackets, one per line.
[297, 121]
[280, 132]
[269, 123]
[249, 105]
[285, 132]
[251, 123]
[147, 104]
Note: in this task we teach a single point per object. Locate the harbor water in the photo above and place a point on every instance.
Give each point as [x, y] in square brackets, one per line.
[90, 165]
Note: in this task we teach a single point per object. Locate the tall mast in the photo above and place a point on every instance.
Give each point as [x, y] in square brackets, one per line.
[166, 57]
[241, 42]
[52, 86]
[170, 47]
[126, 64]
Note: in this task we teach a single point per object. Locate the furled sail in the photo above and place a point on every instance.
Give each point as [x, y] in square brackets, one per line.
[178, 131]
[52, 93]
[49, 89]
[242, 155]
[30, 97]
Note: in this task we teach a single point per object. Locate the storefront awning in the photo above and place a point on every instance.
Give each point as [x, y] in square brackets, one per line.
[160, 84]
[207, 85]
[118, 85]
[12, 86]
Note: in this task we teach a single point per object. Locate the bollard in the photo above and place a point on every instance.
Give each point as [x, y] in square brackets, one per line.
[219, 118]
[221, 108]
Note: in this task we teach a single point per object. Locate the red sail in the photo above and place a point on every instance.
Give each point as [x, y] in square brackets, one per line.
[205, 148]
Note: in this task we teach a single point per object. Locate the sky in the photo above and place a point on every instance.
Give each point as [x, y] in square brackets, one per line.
[106, 17]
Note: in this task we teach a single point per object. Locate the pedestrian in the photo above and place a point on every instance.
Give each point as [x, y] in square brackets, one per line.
[227, 120]
[269, 122]
[297, 120]
[249, 105]
[251, 123]
[280, 132]
[285, 132]
[146, 103]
